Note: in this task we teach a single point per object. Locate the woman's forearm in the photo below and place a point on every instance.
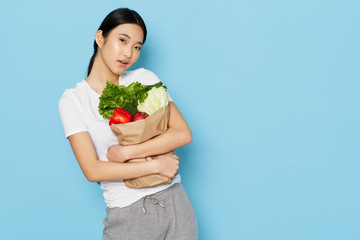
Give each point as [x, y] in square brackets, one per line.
[166, 142]
[165, 164]
[111, 171]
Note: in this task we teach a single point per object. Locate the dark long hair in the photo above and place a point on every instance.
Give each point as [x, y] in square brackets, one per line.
[114, 19]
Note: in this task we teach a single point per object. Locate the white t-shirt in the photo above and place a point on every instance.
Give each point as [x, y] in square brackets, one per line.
[78, 109]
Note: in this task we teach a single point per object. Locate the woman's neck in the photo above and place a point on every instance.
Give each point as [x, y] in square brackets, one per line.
[98, 76]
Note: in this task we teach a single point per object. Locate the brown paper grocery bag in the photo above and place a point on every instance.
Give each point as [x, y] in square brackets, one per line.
[140, 131]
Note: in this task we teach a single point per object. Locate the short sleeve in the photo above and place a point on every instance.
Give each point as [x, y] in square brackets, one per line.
[71, 114]
[147, 77]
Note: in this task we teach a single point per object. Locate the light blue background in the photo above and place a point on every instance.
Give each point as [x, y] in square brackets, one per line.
[270, 90]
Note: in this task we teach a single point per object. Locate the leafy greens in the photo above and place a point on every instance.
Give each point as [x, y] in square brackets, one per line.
[119, 96]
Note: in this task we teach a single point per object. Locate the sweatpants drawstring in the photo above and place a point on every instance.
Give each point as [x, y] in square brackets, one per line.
[153, 200]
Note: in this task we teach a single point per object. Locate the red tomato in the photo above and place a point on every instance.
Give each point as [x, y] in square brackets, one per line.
[122, 111]
[139, 116]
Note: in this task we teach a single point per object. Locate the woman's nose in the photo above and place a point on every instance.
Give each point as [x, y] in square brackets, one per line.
[127, 52]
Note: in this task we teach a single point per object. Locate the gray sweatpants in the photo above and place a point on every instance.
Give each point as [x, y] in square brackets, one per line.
[167, 214]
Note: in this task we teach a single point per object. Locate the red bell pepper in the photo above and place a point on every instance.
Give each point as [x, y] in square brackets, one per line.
[120, 116]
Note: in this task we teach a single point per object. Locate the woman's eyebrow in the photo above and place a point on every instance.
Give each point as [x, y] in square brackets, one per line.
[124, 34]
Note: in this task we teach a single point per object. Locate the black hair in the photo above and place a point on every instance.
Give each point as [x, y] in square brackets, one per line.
[114, 19]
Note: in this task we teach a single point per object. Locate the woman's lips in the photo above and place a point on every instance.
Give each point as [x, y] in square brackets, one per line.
[122, 63]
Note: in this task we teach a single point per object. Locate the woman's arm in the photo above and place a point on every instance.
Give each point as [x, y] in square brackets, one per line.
[177, 135]
[96, 170]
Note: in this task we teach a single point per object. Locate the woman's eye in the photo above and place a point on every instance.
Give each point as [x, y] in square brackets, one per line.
[122, 40]
[138, 48]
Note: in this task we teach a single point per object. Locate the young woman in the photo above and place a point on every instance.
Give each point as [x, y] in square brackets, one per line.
[162, 212]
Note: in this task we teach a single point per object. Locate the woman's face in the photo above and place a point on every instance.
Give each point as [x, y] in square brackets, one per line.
[121, 48]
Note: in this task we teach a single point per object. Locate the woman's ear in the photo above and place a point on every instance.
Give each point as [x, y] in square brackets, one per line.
[99, 39]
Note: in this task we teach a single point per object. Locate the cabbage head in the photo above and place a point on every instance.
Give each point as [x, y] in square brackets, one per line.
[157, 98]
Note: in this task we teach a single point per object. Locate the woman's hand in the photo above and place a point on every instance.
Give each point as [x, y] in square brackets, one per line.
[167, 164]
[117, 153]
